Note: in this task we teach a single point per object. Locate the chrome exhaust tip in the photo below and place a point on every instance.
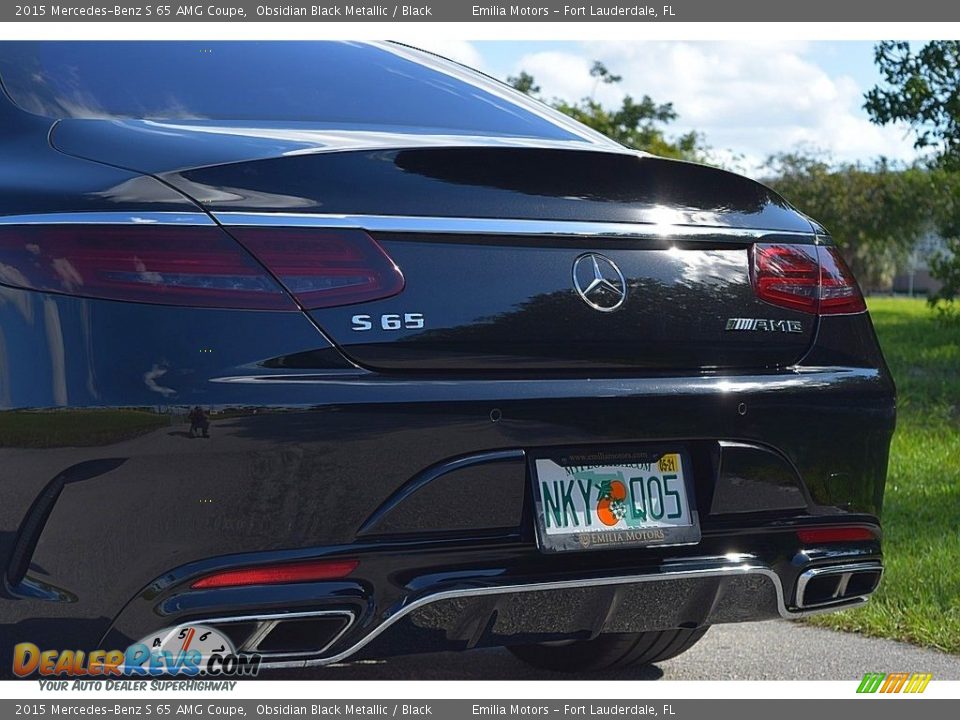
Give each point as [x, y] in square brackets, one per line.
[294, 635]
[836, 586]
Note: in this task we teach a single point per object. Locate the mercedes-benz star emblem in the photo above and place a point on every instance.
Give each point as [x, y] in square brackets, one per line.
[599, 282]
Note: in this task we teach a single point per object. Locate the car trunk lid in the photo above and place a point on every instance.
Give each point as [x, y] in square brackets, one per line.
[520, 303]
[499, 241]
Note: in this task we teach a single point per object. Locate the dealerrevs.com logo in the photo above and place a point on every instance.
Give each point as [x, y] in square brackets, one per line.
[191, 651]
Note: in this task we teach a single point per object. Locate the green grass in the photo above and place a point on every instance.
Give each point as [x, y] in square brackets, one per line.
[75, 428]
[919, 598]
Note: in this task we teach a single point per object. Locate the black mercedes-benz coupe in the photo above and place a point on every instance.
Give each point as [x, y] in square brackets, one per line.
[335, 350]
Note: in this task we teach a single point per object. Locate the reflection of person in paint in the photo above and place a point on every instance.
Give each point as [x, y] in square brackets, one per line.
[199, 421]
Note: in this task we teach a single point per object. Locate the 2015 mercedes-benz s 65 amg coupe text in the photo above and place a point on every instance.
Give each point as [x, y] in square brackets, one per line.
[344, 350]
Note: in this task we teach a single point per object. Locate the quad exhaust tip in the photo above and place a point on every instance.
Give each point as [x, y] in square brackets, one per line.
[285, 635]
[831, 585]
[305, 638]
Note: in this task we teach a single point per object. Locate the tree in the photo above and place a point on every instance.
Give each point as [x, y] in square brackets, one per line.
[945, 264]
[946, 269]
[638, 125]
[922, 88]
[599, 70]
[525, 83]
[876, 214]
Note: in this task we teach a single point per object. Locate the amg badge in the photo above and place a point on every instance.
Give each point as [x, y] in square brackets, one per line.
[763, 324]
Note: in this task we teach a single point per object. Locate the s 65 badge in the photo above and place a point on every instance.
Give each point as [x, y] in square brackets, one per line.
[389, 321]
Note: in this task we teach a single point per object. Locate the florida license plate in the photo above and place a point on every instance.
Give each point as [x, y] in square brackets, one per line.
[587, 501]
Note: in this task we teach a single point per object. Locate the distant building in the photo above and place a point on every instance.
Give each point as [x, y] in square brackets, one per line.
[914, 278]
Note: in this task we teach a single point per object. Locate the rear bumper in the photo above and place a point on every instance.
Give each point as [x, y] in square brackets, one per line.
[110, 509]
[113, 535]
[464, 609]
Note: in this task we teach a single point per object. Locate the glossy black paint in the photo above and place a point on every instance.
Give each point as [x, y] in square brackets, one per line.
[35, 178]
[323, 445]
[319, 84]
[532, 179]
[268, 483]
[679, 297]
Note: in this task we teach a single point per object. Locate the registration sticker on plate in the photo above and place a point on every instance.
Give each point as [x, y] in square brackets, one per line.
[592, 501]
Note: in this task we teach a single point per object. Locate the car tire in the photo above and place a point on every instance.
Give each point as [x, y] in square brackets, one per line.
[610, 651]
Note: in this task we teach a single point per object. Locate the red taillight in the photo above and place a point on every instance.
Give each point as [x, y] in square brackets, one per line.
[172, 265]
[814, 536]
[309, 571]
[787, 275]
[839, 292]
[808, 278]
[199, 266]
[324, 268]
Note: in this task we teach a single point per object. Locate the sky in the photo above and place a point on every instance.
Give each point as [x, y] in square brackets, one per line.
[748, 99]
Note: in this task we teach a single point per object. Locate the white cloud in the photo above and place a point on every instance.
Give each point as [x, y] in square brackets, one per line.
[748, 98]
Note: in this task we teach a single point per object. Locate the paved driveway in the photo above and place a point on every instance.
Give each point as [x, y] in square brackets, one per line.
[775, 650]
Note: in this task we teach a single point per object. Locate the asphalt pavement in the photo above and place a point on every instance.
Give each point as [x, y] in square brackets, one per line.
[775, 650]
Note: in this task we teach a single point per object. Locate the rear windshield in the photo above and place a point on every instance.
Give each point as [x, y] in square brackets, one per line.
[326, 83]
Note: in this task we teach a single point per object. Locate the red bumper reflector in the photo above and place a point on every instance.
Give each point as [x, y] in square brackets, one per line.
[814, 536]
[308, 571]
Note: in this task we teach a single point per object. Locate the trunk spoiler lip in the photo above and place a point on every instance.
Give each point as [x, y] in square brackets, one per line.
[166, 149]
[418, 224]
[502, 226]
[413, 223]
[160, 147]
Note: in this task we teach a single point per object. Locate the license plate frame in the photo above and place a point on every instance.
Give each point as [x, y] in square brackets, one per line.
[611, 462]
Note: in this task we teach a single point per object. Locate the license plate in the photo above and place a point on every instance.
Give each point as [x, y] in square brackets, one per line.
[588, 501]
